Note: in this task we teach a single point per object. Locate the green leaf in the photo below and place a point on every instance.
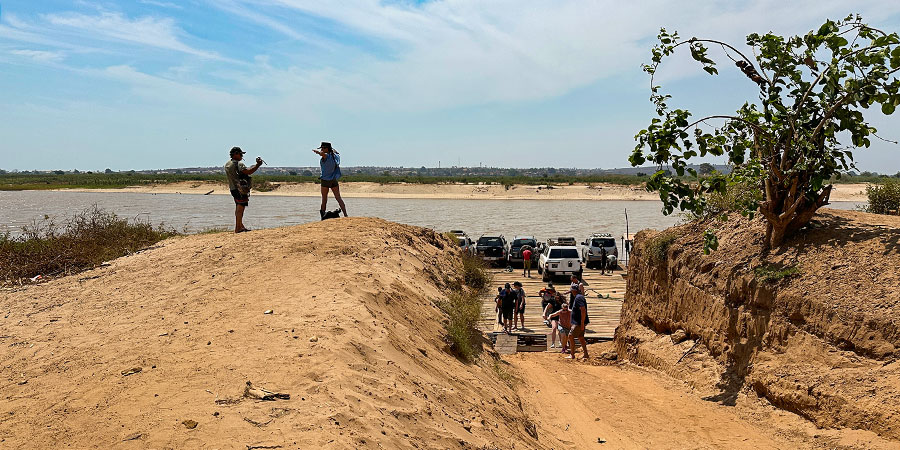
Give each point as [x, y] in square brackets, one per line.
[887, 108]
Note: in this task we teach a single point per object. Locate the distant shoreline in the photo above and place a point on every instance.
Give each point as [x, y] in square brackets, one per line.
[449, 191]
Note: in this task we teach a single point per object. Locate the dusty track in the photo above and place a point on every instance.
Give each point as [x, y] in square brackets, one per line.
[576, 403]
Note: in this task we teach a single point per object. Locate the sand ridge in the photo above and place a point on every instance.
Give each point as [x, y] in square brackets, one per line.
[353, 337]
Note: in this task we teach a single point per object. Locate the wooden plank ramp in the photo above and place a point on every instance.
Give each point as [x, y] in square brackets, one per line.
[604, 313]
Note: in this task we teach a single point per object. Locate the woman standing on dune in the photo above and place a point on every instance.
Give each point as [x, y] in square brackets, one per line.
[330, 164]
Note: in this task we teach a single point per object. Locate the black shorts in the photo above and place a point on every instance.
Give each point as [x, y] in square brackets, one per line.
[508, 313]
[329, 183]
[240, 199]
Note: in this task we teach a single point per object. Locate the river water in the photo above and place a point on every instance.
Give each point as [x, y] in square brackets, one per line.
[192, 213]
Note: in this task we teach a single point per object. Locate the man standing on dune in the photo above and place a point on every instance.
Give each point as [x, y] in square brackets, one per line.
[233, 170]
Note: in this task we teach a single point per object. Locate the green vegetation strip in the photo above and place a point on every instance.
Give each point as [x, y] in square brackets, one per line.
[463, 308]
[85, 240]
[20, 182]
[118, 180]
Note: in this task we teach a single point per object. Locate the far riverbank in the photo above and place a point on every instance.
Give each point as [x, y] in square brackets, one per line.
[455, 191]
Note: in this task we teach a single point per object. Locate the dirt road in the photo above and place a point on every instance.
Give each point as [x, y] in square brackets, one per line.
[577, 405]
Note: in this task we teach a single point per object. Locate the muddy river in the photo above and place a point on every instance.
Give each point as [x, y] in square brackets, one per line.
[192, 213]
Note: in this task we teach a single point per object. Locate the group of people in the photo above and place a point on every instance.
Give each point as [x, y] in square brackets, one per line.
[238, 181]
[567, 318]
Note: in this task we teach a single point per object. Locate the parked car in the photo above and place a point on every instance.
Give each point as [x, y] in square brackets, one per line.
[567, 240]
[590, 253]
[558, 260]
[491, 248]
[518, 245]
[465, 242]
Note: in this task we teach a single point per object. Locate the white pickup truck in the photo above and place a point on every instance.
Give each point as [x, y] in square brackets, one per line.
[558, 260]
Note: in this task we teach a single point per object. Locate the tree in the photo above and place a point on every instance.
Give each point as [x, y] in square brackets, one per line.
[108, 171]
[707, 168]
[813, 90]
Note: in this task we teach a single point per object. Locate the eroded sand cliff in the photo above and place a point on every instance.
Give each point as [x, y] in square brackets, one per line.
[822, 341]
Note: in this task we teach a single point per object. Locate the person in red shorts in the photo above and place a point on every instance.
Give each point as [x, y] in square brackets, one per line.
[526, 262]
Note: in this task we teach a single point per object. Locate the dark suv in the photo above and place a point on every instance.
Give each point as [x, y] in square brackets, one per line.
[492, 249]
[515, 249]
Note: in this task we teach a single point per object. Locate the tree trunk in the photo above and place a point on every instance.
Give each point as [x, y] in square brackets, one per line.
[787, 211]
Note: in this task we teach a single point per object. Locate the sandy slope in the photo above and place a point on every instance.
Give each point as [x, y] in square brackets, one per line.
[354, 340]
[576, 403]
[842, 192]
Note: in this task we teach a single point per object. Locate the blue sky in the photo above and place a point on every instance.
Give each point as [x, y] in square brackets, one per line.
[514, 83]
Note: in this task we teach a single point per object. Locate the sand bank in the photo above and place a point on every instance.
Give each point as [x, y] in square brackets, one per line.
[154, 350]
[841, 192]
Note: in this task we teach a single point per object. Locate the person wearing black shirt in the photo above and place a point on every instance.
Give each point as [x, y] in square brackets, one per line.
[508, 301]
[579, 320]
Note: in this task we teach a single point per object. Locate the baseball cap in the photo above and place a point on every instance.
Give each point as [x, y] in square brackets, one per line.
[235, 150]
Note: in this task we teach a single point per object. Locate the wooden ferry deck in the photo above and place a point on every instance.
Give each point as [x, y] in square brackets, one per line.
[604, 313]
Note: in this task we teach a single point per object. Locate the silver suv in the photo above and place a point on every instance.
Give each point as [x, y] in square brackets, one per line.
[590, 253]
[465, 243]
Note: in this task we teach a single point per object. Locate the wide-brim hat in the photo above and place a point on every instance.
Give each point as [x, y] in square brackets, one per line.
[325, 146]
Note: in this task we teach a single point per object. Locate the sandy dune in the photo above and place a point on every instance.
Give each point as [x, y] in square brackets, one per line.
[353, 338]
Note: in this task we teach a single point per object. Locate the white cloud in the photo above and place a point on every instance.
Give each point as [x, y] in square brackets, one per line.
[453, 53]
[167, 91]
[466, 52]
[20, 31]
[161, 4]
[40, 55]
[154, 32]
